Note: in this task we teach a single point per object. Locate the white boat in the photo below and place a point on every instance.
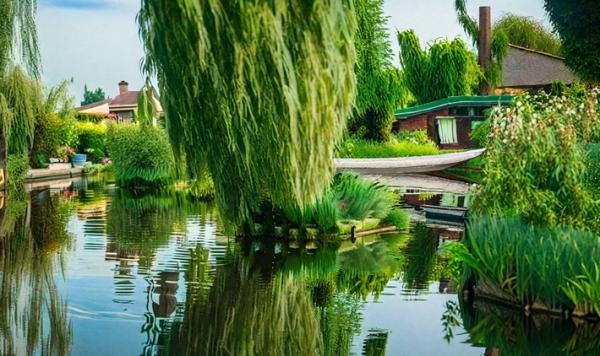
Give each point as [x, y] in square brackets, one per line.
[416, 164]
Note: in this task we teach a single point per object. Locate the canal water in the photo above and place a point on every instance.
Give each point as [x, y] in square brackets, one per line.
[89, 269]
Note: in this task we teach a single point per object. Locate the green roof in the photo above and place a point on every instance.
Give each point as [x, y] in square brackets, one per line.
[454, 101]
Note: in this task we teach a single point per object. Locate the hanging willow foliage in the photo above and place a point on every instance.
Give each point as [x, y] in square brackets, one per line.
[22, 104]
[447, 68]
[256, 91]
[18, 35]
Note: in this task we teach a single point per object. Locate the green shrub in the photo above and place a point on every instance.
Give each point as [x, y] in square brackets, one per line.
[67, 132]
[418, 137]
[92, 140]
[593, 167]
[140, 156]
[39, 160]
[359, 148]
[557, 267]
[480, 133]
[88, 117]
[17, 167]
[360, 199]
[535, 160]
[397, 218]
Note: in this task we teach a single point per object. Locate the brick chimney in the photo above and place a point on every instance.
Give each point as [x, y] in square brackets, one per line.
[485, 45]
[123, 87]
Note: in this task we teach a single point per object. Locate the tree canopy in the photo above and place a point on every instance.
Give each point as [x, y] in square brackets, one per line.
[527, 32]
[578, 25]
[18, 35]
[446, 68]
[376, 92]
[255, 92]
[92, 96]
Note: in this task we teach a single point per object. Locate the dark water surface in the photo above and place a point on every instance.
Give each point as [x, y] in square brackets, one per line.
[91, 270]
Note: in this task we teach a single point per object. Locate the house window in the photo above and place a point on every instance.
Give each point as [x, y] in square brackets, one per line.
[447, 130]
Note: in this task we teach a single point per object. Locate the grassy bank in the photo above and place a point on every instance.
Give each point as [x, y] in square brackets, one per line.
[400, 145]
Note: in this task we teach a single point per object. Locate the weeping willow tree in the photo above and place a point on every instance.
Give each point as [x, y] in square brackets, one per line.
[376, 85]
[527, 32]
[446, 68]
[18, 41]
[255, 92]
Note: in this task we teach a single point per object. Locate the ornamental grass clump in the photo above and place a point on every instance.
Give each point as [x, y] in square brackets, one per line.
[547, 267]
[140, 155]
[536, 162]
[256, 92]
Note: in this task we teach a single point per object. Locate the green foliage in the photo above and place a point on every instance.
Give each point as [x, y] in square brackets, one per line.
[376, 85]
[446, 69]
[17, 166]
[577, 26]
[396, 147]
[479, 135]
[397, 218]
[146, 107]
[267, 89]
[18, 35]
[23, 97]
[88, 117]
[92, 140]
[360, 199]
[535, 161]
[140, 155]
[555, 267]
[527, 32]
[593, 167]
[95, 168]
[92, 96]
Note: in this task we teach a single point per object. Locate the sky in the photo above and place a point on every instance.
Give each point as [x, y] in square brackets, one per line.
[95, 42]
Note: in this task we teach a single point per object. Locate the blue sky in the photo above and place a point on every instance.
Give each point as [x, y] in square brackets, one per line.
[96, 41]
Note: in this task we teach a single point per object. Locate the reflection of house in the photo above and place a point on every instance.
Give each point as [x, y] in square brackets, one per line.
[448, 122]
[525, 69]
[122, 107]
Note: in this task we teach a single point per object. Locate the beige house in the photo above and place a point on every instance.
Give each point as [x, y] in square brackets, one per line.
[121, 108]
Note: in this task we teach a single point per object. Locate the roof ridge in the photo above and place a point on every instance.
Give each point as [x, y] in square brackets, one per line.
[536, 51]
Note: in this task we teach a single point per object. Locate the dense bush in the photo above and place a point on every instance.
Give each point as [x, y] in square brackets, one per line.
[480, 133]
[88, 117]
[593, 167]
[535, 161]
[554, 267]
[17, 166]
[140, 155]
[527, 32]
[402, 147]
[92, 140]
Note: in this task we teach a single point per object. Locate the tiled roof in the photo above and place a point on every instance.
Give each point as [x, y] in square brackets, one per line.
[126, 99]
[92, 105]
[524, 67]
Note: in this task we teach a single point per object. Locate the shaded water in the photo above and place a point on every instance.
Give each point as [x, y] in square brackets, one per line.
[92, 270]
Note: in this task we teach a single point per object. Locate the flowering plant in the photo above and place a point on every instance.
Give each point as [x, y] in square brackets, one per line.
[105, 161]
[66, 152]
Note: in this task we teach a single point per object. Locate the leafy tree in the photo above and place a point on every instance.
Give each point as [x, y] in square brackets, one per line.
[267, 87]
[447, 68]
[92, 96]
[527, 32]
[18, 35]
[376, 85]
[578, 25]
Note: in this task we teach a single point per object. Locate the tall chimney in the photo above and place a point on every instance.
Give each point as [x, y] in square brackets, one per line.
[485, 45]
[123, 87]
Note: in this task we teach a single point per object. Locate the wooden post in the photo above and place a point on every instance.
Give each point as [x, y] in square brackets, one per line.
[485, 46]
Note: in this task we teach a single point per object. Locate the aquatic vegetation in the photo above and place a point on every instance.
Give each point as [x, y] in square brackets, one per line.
[360, 148]
[140, 155]
[551, 267]
[267, 88]
[535, 161]
[446, 68]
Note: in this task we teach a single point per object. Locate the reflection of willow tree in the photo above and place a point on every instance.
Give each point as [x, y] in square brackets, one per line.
[421, 257]
[339, 322]
[241, 314]
[32, 314]
[367, 269]
[139, 225]
[509, 332]
[375, 343]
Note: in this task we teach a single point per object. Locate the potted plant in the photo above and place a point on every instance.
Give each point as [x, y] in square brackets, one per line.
[65, 153]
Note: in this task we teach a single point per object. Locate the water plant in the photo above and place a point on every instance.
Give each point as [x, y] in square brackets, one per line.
[548, 267]
[267, 90]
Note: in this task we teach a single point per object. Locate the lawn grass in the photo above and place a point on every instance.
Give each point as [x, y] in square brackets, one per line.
[360, 148]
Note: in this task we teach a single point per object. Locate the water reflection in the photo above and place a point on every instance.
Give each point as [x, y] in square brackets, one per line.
[94, 270]
[33, 317]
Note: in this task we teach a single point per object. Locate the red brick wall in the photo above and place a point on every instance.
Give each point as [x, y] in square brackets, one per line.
[412, 123]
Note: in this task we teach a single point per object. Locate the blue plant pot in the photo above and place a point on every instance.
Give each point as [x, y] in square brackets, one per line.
[79, 159]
